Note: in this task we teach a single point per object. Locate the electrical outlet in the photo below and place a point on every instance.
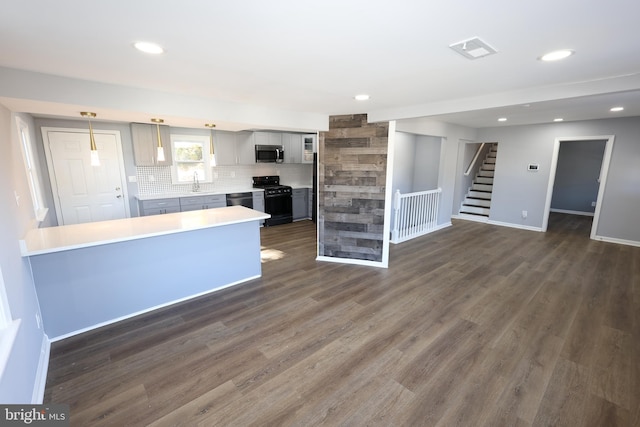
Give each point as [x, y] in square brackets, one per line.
[232, 174]
[524, 214]
[152, 178]
[38, 319]
[593, 204]
[15, 193]
[133, 178]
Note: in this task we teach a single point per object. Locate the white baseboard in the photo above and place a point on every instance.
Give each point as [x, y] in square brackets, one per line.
[519, 226]
[618, 241]
[352, 261]
[475, 218]
[564, 211]
[41, 373]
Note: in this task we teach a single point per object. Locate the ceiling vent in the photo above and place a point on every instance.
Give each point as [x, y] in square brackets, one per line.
[473, 48]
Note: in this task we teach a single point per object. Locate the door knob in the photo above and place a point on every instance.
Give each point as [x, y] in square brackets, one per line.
[119, 195]
[117, 188]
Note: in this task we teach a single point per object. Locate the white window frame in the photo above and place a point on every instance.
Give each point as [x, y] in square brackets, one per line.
[33, 174]
[200, 139]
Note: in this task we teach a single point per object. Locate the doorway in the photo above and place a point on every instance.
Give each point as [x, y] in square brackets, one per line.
[571, 185]
[81, 192]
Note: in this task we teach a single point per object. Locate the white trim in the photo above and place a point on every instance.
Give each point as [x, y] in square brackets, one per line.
[604, 171]
[137, 313]
[565, 211]
[388, 196]
[618, 241]
[351, 261]
[41, 373]
[34, 177]
[197, 139]
[510, 225]
[52, 178]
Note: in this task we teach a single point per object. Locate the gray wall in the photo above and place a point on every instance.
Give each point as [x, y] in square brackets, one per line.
[426, 163]
[576, 182]
[416, 163]
[19, 379]
[516, 189]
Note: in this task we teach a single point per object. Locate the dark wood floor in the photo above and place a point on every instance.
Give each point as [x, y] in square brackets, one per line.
[474, 325]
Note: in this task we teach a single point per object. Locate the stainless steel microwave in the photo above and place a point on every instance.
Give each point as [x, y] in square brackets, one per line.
[269, 154]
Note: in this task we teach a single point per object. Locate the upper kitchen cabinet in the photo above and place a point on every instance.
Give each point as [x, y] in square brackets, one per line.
[292, 143]
[245, 148]
[225, 148]
[234, 148]
[267, 138]
[145, 142]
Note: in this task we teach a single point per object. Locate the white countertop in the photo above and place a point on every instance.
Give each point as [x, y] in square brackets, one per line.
[55, 239]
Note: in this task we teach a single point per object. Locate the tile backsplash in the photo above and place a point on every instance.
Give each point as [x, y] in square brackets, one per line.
[157, 179]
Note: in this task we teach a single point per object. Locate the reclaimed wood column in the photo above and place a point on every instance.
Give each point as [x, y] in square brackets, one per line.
[352, 157]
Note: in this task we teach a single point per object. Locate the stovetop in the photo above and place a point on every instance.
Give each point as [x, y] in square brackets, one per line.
[271, 185]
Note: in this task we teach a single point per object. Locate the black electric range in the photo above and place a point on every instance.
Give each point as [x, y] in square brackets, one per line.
[277, 199]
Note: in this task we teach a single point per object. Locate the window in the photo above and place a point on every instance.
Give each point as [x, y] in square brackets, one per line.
[33, 177]
[190, 158]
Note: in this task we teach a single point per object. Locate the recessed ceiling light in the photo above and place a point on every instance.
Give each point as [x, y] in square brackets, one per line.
[502, 119]
[148, 47]
[557, 55]
[615, 109]
[361, 97]
[558, 119]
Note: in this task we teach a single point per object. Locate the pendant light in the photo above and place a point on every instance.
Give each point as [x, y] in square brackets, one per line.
[95, 160]
[212, 154]
[160, 156]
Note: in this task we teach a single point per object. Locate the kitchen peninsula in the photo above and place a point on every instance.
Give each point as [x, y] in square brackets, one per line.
[93, 274]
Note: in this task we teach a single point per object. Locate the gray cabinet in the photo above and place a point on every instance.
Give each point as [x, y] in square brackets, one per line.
[158, 206]
[300, 203]
[225, 148]
[145, 142]
[194, 203]
[245, 148]
[292, 143]
[258, 202]
[234, 148]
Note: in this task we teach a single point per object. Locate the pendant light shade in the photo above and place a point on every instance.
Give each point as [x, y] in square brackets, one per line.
[95, 159]
[212, 154]
[160, 155]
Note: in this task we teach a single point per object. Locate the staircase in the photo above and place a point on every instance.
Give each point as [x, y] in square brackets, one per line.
[478, 199]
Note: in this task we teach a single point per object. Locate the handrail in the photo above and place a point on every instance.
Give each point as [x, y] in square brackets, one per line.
[475, 158]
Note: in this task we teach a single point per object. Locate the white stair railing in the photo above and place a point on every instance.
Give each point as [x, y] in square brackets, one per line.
[415, 214]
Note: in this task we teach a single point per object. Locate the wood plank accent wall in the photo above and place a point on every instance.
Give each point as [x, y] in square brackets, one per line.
[351, 188]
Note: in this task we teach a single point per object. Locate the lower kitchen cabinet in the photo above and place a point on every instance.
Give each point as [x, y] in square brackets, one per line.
[158, 206]
[300, 202]
[194, 203]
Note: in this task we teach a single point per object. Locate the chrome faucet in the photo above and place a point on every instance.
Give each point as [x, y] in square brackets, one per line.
[196, 184]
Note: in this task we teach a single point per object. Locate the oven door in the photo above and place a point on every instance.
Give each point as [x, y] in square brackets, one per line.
[280, 208]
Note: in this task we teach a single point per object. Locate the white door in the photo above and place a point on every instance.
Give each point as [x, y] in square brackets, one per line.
[85, 193]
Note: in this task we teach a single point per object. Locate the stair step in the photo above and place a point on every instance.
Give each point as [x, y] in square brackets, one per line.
[488, 167]
[483, 180]
[488, 174]
[474, 210]
[490, 160]
[479, 195]
[482, 187]
[468, 201]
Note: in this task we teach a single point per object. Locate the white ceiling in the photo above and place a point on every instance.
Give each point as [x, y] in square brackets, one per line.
[313, 57]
